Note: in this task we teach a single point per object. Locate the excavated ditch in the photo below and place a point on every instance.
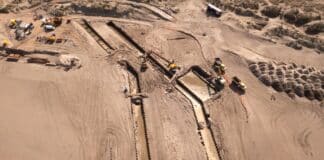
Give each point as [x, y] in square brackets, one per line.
[100, 40]
[208, 139]
[137, 105]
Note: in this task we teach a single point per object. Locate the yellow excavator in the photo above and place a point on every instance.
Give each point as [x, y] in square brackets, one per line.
[51, 39]
[13, 23]
[5, 43]
[172, 66]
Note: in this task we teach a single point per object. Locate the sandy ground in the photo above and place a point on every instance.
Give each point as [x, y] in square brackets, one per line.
[48, 113]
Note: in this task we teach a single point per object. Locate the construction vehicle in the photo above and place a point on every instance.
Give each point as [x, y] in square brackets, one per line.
[5, 43]
[21, 29]
[14, 23]
[53, 21]
[26, 27]
[51, 39]
[48, 28]
[144, 66]
[19, 34]
[238, 84]
[136, 98]
[219, 67]
[173, 67]
[219, 82]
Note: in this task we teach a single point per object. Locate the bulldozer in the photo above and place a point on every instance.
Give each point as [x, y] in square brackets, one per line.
[238, 84]
[219, 67]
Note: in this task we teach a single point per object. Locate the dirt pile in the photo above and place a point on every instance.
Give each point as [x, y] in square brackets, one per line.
[315, 27]
[300, 39]
[290, 78]
[271, 11]
[294, 17]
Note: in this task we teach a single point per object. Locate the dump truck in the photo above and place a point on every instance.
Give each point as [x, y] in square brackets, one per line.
[238, 84]
[219, 67]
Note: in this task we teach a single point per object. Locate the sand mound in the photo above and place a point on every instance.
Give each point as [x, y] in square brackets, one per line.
[290, 78]
[266, 80]
[299, 90]
[271, 11]
[69, 61]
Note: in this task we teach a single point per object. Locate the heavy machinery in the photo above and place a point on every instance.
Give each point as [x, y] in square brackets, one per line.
[53, 21]
[5, 43]
[21, 29]
[219, 67]
[144, 66]
[219, 82]
[50, 39]
[238, 84]
[14, 23]
[173, 67]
